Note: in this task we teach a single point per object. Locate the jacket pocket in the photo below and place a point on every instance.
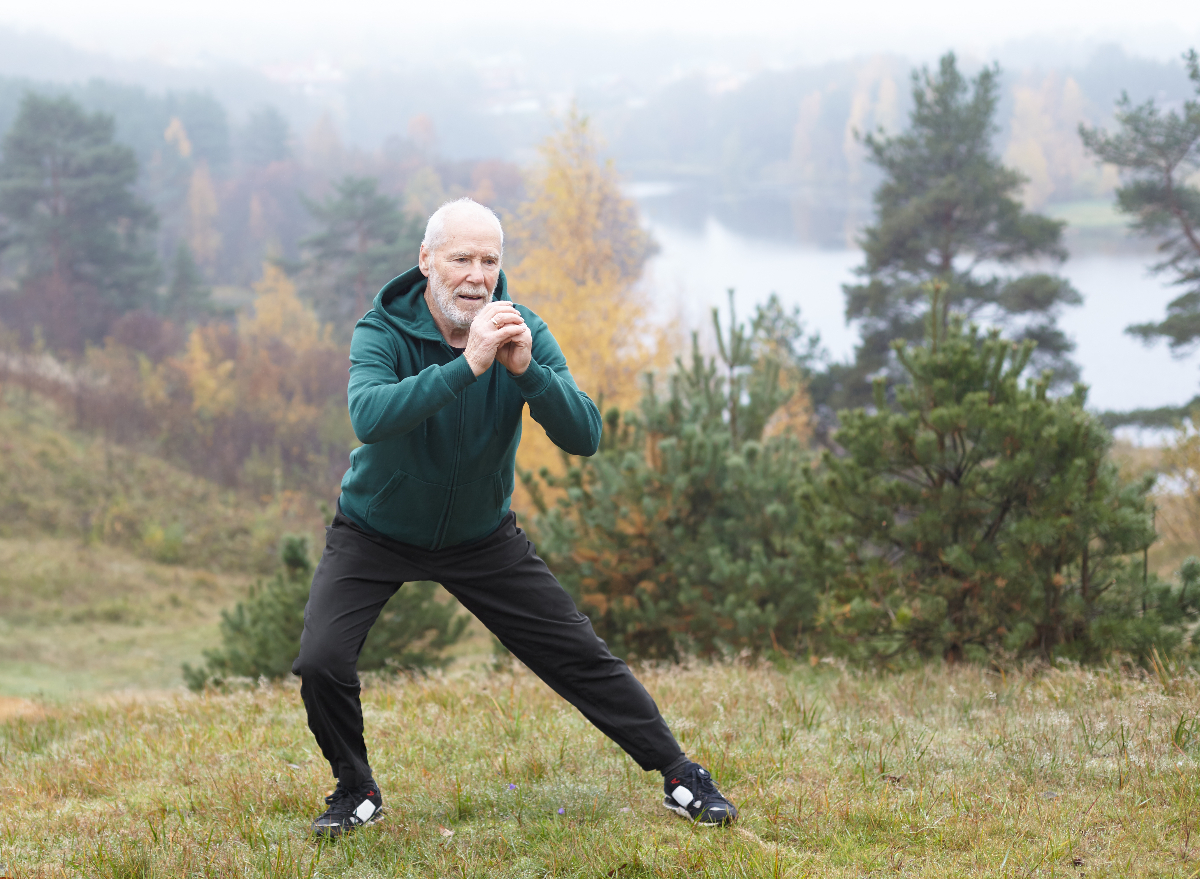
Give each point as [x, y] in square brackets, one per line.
[408, 509]
[476, 510]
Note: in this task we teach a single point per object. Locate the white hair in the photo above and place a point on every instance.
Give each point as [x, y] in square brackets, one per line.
[435, 229]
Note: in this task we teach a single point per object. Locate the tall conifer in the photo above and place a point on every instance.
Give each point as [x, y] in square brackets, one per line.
[72, 222]
[948, 210]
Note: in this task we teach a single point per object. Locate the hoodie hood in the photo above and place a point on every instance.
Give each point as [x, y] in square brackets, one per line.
[401, 303]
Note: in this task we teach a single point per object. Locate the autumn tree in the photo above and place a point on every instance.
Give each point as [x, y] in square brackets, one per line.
[949, 211]
[72, 223]
[364, 241]
[1160, 154]
[259, 404]
[580, 251]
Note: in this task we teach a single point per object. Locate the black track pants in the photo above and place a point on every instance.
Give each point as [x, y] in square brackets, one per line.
[503, 582]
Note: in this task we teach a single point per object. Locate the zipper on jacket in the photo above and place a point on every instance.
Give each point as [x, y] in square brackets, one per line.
[440, 536]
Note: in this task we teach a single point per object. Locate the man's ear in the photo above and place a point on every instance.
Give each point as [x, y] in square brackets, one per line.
[424, 260]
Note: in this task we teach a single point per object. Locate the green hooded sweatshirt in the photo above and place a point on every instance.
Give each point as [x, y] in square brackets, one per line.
[439, 445]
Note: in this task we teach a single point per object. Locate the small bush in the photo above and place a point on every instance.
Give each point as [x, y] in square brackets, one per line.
[260, 637]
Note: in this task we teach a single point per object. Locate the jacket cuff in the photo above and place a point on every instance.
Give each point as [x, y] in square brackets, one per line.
[457, 374]
[534, 380]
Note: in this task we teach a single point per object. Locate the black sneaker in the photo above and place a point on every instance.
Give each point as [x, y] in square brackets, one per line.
[349, 808]
[693, 795]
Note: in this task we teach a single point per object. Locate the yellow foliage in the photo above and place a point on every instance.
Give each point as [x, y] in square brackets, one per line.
[1178, 499]
[581, 251]
[279, 314]
[1044, 144]
[580, 254]
[273, 390]
[176, 135]
[213, 394]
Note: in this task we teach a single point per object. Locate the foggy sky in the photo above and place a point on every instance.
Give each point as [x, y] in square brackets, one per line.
[366, 33]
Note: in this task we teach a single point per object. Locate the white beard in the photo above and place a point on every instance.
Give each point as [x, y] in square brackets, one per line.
[444, 297]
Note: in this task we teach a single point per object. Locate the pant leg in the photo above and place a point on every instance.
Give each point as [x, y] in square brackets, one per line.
[503, 582]
[355, 578]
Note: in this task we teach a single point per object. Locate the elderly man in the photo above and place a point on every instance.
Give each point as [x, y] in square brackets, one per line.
[441, 369]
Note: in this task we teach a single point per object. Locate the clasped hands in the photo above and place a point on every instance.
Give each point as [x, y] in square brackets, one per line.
[499, 333]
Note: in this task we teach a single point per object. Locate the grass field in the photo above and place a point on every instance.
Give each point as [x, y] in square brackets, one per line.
[932, 772]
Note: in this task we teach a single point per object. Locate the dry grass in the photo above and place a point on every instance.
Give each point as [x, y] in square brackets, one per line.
[932, 772]
[58, 482]
[84, 617]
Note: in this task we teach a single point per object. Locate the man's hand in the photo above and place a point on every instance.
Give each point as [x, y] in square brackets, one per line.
[515, 355]
[496, 328]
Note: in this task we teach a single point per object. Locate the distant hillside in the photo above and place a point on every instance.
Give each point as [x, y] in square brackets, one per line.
[55, 482]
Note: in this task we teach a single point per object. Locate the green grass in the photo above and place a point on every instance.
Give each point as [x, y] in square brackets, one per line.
[932, 772]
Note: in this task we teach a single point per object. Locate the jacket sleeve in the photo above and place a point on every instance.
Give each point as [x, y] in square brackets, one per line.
[384, 404]
[567, 414]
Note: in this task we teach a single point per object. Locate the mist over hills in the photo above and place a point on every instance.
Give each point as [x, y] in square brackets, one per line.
[768, 148]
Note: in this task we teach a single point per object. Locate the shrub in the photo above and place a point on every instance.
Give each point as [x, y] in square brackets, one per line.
[980, 514]
[260, 637]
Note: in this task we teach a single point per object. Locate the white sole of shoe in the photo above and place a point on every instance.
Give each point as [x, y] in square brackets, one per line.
[683, 813]
[330, 833]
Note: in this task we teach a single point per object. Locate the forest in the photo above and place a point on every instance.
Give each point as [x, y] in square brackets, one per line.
[734, 501]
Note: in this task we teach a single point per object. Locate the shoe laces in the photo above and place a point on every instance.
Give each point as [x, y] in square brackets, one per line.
[704, 785]
[342, 799]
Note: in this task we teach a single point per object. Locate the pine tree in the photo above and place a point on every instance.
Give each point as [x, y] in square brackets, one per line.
[365, 241]
[189, 299]
[72, 223]
[682, 534]
[260, 637]
[981, 514]
[265, 139]
[1160, 152]
[948, 210]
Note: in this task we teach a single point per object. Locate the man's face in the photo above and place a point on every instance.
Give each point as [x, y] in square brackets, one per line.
[463, 271]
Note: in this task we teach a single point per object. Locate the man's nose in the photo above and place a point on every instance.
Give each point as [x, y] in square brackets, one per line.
[477, 275]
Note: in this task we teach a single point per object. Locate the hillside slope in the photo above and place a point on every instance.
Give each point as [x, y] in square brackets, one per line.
[115, 565]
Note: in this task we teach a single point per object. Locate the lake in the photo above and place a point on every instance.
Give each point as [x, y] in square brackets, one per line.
[699, 262]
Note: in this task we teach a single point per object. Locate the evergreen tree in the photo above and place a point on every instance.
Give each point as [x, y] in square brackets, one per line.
[265, 138]
[365, 241]
[72, 223]
[189, 299]
[682, 534]
[948, 210]
[982, 514]
[1161, 154]
[261, 635]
